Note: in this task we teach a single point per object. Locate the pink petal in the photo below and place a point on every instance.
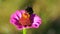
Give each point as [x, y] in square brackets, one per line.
[37, 22]
[18, 13]
[22, 11]
[13, 16]
[19, 27]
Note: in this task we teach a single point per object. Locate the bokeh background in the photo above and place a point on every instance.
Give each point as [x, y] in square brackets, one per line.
[48, 10]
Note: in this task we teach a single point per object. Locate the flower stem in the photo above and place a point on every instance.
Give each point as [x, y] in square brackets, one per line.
[24, 31]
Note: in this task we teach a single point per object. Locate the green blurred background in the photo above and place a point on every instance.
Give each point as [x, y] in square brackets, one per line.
[48, 10]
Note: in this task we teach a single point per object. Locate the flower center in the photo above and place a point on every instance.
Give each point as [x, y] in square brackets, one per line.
[25, 19]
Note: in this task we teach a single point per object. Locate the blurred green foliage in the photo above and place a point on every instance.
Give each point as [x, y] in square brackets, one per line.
[48, 10]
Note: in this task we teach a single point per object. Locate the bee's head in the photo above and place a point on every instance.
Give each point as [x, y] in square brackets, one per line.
[29, 10]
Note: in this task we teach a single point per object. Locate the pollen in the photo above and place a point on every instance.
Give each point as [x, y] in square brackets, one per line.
[26, 15]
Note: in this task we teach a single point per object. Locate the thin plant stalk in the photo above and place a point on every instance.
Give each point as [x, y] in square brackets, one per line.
[24, 31]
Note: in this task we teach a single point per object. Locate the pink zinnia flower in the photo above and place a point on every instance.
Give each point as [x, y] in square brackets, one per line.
[22, 19]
